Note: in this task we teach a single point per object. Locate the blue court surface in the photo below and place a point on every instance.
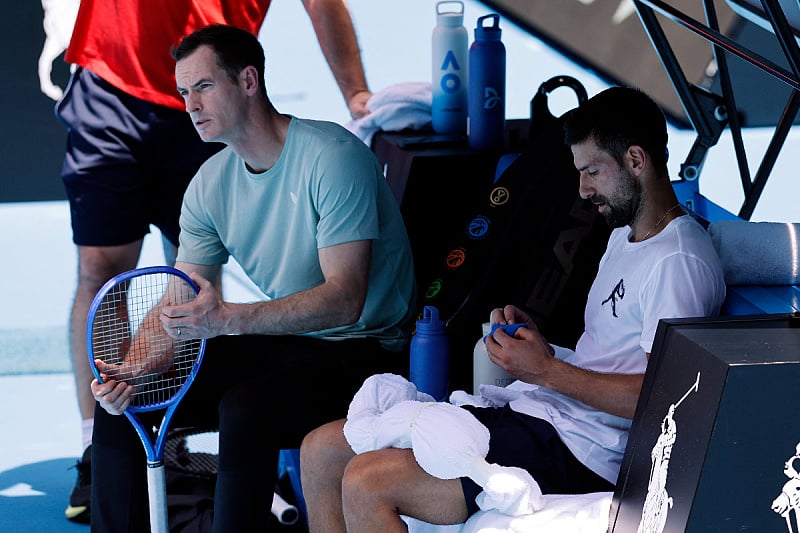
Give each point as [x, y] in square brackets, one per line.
[40, 436]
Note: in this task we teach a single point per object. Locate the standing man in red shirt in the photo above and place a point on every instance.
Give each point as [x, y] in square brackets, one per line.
[132, 149]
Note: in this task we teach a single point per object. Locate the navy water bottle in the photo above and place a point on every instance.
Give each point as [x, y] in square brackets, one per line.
[430, 355]
[487, 86]
[449, 64]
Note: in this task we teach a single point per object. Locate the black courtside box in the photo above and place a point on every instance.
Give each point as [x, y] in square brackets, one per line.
[715, 442]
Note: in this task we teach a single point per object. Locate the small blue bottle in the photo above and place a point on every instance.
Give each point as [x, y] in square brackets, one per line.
[430, 355]
[487, 86]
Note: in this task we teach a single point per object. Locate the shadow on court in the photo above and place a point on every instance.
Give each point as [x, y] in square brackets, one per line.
[33, 497]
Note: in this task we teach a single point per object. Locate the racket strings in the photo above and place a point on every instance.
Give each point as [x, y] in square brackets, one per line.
[127, 332]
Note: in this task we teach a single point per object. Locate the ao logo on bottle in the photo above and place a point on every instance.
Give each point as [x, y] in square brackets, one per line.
[450, 82]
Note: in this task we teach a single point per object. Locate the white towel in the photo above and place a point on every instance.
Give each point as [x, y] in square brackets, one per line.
[378, 394]
[395, 108]
[757, 253]
[561, 513]
[448, 442]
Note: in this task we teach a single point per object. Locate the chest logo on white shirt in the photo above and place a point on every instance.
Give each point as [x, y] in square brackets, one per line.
[617, 293]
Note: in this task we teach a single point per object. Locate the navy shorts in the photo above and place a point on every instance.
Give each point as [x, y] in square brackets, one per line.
[533, 445]
[127, 162]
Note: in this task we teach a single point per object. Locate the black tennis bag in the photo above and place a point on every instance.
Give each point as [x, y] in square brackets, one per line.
[534, 244]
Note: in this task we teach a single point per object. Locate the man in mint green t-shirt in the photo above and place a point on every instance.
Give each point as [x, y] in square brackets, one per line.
[303, 207]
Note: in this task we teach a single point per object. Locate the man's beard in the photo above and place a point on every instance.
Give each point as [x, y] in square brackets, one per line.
[625, 202]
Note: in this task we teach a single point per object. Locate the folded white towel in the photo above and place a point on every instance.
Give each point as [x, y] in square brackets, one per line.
[377, 395]
[757, 253]
[395, 108]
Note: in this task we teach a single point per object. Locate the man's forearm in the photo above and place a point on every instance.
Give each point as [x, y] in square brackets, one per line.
[337, 39]
[323, 307]
[616, 394]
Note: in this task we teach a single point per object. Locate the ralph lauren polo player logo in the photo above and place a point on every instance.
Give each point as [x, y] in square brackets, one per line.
[618, 292]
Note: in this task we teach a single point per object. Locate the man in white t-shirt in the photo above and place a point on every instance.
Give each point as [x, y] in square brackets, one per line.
[566, 418]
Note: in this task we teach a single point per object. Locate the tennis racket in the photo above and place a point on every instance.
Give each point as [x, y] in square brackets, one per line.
[124, 330]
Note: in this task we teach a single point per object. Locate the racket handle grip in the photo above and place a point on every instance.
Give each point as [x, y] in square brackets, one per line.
[157, 492]
[285, 512]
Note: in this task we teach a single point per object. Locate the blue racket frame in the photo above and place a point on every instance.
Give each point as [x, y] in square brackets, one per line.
[154, 450]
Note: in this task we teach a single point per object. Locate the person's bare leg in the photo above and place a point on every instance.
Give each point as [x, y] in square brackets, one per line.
[324, 455]
[96, 265]
[380, 486]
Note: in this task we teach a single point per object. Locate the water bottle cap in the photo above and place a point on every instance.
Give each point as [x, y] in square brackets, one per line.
[450, 19]
[430, 322]
[488, 33]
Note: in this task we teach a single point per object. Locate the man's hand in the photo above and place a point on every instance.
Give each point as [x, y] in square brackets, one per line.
[357, 104]
[112, 395]
[526, 356]
[511, 315]
[202, 318]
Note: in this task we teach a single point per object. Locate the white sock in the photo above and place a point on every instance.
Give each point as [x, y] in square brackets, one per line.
[87, 426]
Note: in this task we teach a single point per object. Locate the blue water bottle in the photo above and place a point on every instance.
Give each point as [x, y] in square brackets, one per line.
[449, 64]
[487, 86]
[430, 355]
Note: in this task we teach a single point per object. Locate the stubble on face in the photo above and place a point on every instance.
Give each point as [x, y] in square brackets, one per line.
[609, 184]
[625, 202]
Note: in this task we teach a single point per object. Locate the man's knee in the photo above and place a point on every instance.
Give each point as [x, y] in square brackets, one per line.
[374, 474]
[312, 447]
[358, 481]
[325, 446]
[98, 264]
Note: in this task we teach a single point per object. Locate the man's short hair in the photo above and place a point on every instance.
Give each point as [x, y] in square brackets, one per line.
[235, 49]
[618, 118]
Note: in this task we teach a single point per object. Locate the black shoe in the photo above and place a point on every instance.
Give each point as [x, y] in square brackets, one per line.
[78, 509]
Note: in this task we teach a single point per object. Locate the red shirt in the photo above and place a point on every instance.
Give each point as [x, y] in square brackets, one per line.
[128, 42]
